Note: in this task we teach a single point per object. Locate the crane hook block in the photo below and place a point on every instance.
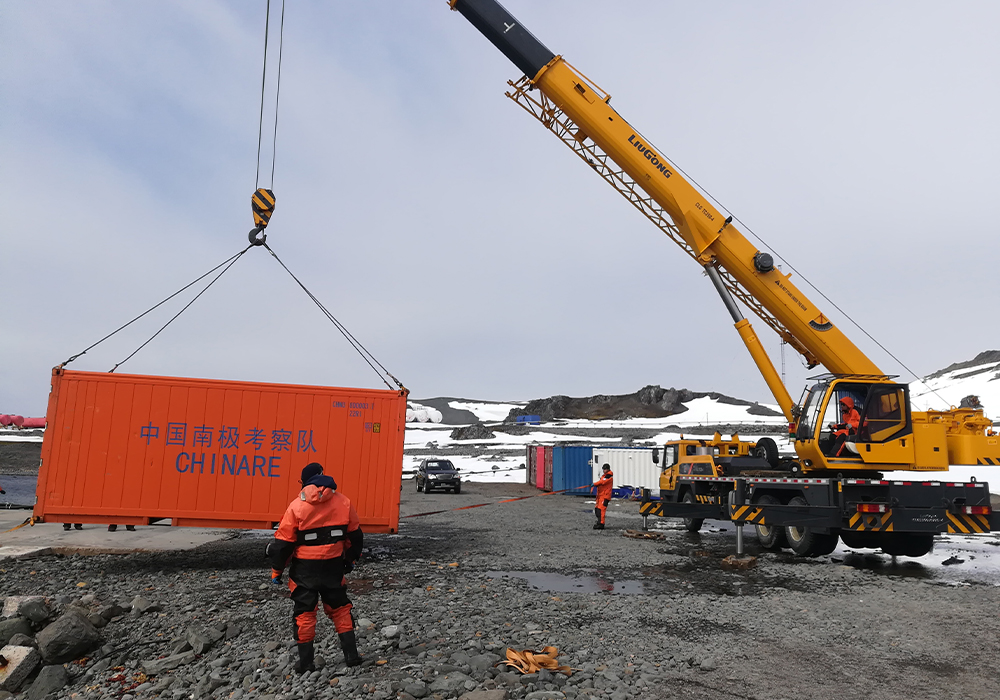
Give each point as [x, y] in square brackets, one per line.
[262, 203]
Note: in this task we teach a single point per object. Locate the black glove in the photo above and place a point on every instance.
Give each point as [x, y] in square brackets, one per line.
[348, 567]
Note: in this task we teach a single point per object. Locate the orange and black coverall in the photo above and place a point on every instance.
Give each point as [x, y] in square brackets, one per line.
[850, 422]
[321, 534]
[604, 486]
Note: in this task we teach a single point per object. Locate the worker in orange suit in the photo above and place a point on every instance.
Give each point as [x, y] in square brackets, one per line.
[850, 420]
[604, 486]
[320, 535]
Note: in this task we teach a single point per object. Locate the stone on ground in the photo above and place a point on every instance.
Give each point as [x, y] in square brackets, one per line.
[71, 636]
[50, 679]
[15, 625]
[21, 662]
[154, 667]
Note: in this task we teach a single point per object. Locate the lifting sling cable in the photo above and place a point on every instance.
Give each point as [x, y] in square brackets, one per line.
[230, 260]
[186, 307]
[354, 342]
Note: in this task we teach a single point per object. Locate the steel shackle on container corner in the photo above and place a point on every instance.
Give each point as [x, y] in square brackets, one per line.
[210, 453]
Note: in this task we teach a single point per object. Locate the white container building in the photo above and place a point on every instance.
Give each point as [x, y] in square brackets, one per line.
[632, 466]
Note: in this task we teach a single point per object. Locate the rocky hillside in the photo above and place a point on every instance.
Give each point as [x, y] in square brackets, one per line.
[651, 401]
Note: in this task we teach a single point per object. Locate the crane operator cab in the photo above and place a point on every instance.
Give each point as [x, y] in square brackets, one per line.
[855, 423]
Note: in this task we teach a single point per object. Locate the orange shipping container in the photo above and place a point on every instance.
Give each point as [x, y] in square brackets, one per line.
[123, 448]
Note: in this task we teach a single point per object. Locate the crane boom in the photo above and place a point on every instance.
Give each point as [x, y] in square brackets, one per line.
[884, 433]
[708, 235]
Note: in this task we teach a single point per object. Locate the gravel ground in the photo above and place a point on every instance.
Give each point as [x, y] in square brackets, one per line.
[439, 604]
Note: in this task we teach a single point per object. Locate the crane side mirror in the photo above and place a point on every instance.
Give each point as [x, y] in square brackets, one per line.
[656, 455]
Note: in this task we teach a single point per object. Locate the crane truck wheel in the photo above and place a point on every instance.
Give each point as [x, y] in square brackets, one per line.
[691, 524]
[768, 451]
[805, 541]
[770, 536]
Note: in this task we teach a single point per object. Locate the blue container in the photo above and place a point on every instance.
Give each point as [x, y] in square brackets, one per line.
[571, 471]
[530, 420]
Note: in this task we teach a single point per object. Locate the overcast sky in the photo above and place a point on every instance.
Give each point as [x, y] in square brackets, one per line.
[451, 233]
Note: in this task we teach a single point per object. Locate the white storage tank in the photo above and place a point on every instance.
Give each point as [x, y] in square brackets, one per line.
[632, 466]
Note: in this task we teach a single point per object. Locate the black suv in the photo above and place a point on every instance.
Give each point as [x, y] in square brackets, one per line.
[438, 474]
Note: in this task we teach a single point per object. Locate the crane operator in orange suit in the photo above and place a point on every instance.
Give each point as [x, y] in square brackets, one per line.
[850, 421]
[604, 487]
[320, 536]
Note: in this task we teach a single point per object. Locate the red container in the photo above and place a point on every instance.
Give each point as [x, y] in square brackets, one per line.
[134, 449]
[33, 423]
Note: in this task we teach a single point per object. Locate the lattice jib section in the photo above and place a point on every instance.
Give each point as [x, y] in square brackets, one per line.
[541, 108]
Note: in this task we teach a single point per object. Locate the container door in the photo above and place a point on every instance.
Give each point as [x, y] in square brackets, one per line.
[547, 483]
[558, 480]
[529, 463]
[578, 478]
[540, 466]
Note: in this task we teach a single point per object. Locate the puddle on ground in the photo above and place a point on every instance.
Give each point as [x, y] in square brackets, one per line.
[884, 564]
[559, 583]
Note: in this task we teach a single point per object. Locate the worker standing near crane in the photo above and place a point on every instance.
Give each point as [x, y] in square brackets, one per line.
[321, 536]
[604, 485]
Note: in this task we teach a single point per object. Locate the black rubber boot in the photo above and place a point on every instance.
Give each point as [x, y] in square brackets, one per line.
[306, 652]
[112, 528]
[349, 643]
[598, 526]
[67, 526]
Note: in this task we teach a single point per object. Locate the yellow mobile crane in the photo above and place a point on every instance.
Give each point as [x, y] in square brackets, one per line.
[747, 482]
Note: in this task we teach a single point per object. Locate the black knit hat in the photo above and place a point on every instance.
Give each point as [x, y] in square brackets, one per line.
[310, 470]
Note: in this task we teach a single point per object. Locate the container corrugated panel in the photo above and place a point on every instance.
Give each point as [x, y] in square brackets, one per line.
[632, 466]
[134, 449]
[547, 475]
[529, 462]
[571, 468]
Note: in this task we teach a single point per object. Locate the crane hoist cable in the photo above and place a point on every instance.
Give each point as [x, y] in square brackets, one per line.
[262, 206]
[262, 203]
[277, 94]
[262, 200]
